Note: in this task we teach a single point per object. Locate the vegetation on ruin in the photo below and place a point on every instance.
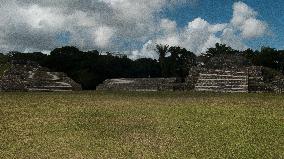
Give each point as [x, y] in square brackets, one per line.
[3, 68]
[4, 64]
[91, 68]
[141, 125]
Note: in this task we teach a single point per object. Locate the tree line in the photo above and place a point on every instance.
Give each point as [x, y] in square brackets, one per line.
[91, 68]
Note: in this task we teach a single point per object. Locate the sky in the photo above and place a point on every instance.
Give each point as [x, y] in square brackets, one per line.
[134, 27]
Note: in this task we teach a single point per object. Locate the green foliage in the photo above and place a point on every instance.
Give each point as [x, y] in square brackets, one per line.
[162, 51]
[270, 74]
[181, 61]
[219, 49]
[4, 64]
[271, 58]
[250, 55]
[91, 68]
[4, 67]
[267, 57]
[178, 63]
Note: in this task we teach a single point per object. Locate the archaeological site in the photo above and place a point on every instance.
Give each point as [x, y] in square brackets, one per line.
[30, 76]
[220, 74]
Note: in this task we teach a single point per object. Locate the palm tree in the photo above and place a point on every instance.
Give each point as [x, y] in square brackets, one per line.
[162, 50]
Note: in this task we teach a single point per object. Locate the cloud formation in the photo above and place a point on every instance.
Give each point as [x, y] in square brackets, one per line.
[199, 35]
[117, 25]
[244, 19]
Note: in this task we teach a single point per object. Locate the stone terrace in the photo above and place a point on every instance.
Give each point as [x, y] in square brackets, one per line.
[139, 84]
[222, 81]
[27, 77]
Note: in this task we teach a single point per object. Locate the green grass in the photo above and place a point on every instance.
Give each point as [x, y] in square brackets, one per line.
[141, 125]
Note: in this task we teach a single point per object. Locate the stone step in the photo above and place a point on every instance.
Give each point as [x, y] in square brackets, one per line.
[51, 87]
[139, 84]
[223, 91]
[221, 84]
[221, 77]
[222, 81]
[227, 86]
[224, 73]
[48, 90]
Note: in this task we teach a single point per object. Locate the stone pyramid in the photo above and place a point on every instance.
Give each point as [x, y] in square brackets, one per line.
[29, 76]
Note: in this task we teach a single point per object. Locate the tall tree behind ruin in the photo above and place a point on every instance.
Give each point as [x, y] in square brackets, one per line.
[162, 51]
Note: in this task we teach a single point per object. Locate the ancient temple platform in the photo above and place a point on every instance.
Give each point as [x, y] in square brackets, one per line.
[223, 81]
[139, 84]
[33, 77]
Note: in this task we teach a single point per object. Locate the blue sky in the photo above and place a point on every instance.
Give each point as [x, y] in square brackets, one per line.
[220, 11]
[135, 26]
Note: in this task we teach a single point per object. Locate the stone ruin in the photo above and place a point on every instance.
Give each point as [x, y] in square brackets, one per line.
[224, 73]
[258, 82]
[222, 81]
[233, 73]
[141, 84]
[241, 80]
[29, 76]
[229, 80]
[238, 80]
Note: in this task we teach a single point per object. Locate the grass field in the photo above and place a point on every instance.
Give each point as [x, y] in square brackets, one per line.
[141, 125]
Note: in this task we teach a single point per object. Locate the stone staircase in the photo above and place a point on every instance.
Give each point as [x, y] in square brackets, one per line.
[222, 81]
[24, 77]
[138, 84]
[49, 85]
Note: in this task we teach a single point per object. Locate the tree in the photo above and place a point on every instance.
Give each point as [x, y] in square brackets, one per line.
[162, 51]
[146, 67]
[250, 55]
[268, 57]
[181, 60]
[219, 50]
[65, 58]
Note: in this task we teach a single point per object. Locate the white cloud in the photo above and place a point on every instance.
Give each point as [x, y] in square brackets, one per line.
[211, 41]
[172, 40]
[198, 24]
[253, 28]
[199, 35]
[244, 19]
[36, 24]
[39, 17]
[103, 36]
[117, 25]
[217, 28]
[147, 51]
[230, 38]
[196, 37]
[241, 12]
[168, 25]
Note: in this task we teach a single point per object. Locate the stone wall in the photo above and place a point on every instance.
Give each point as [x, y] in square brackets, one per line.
[243, 79]
[140, 84]
[256, 82]
[247, 79]
[222, 80]
[278, 84]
